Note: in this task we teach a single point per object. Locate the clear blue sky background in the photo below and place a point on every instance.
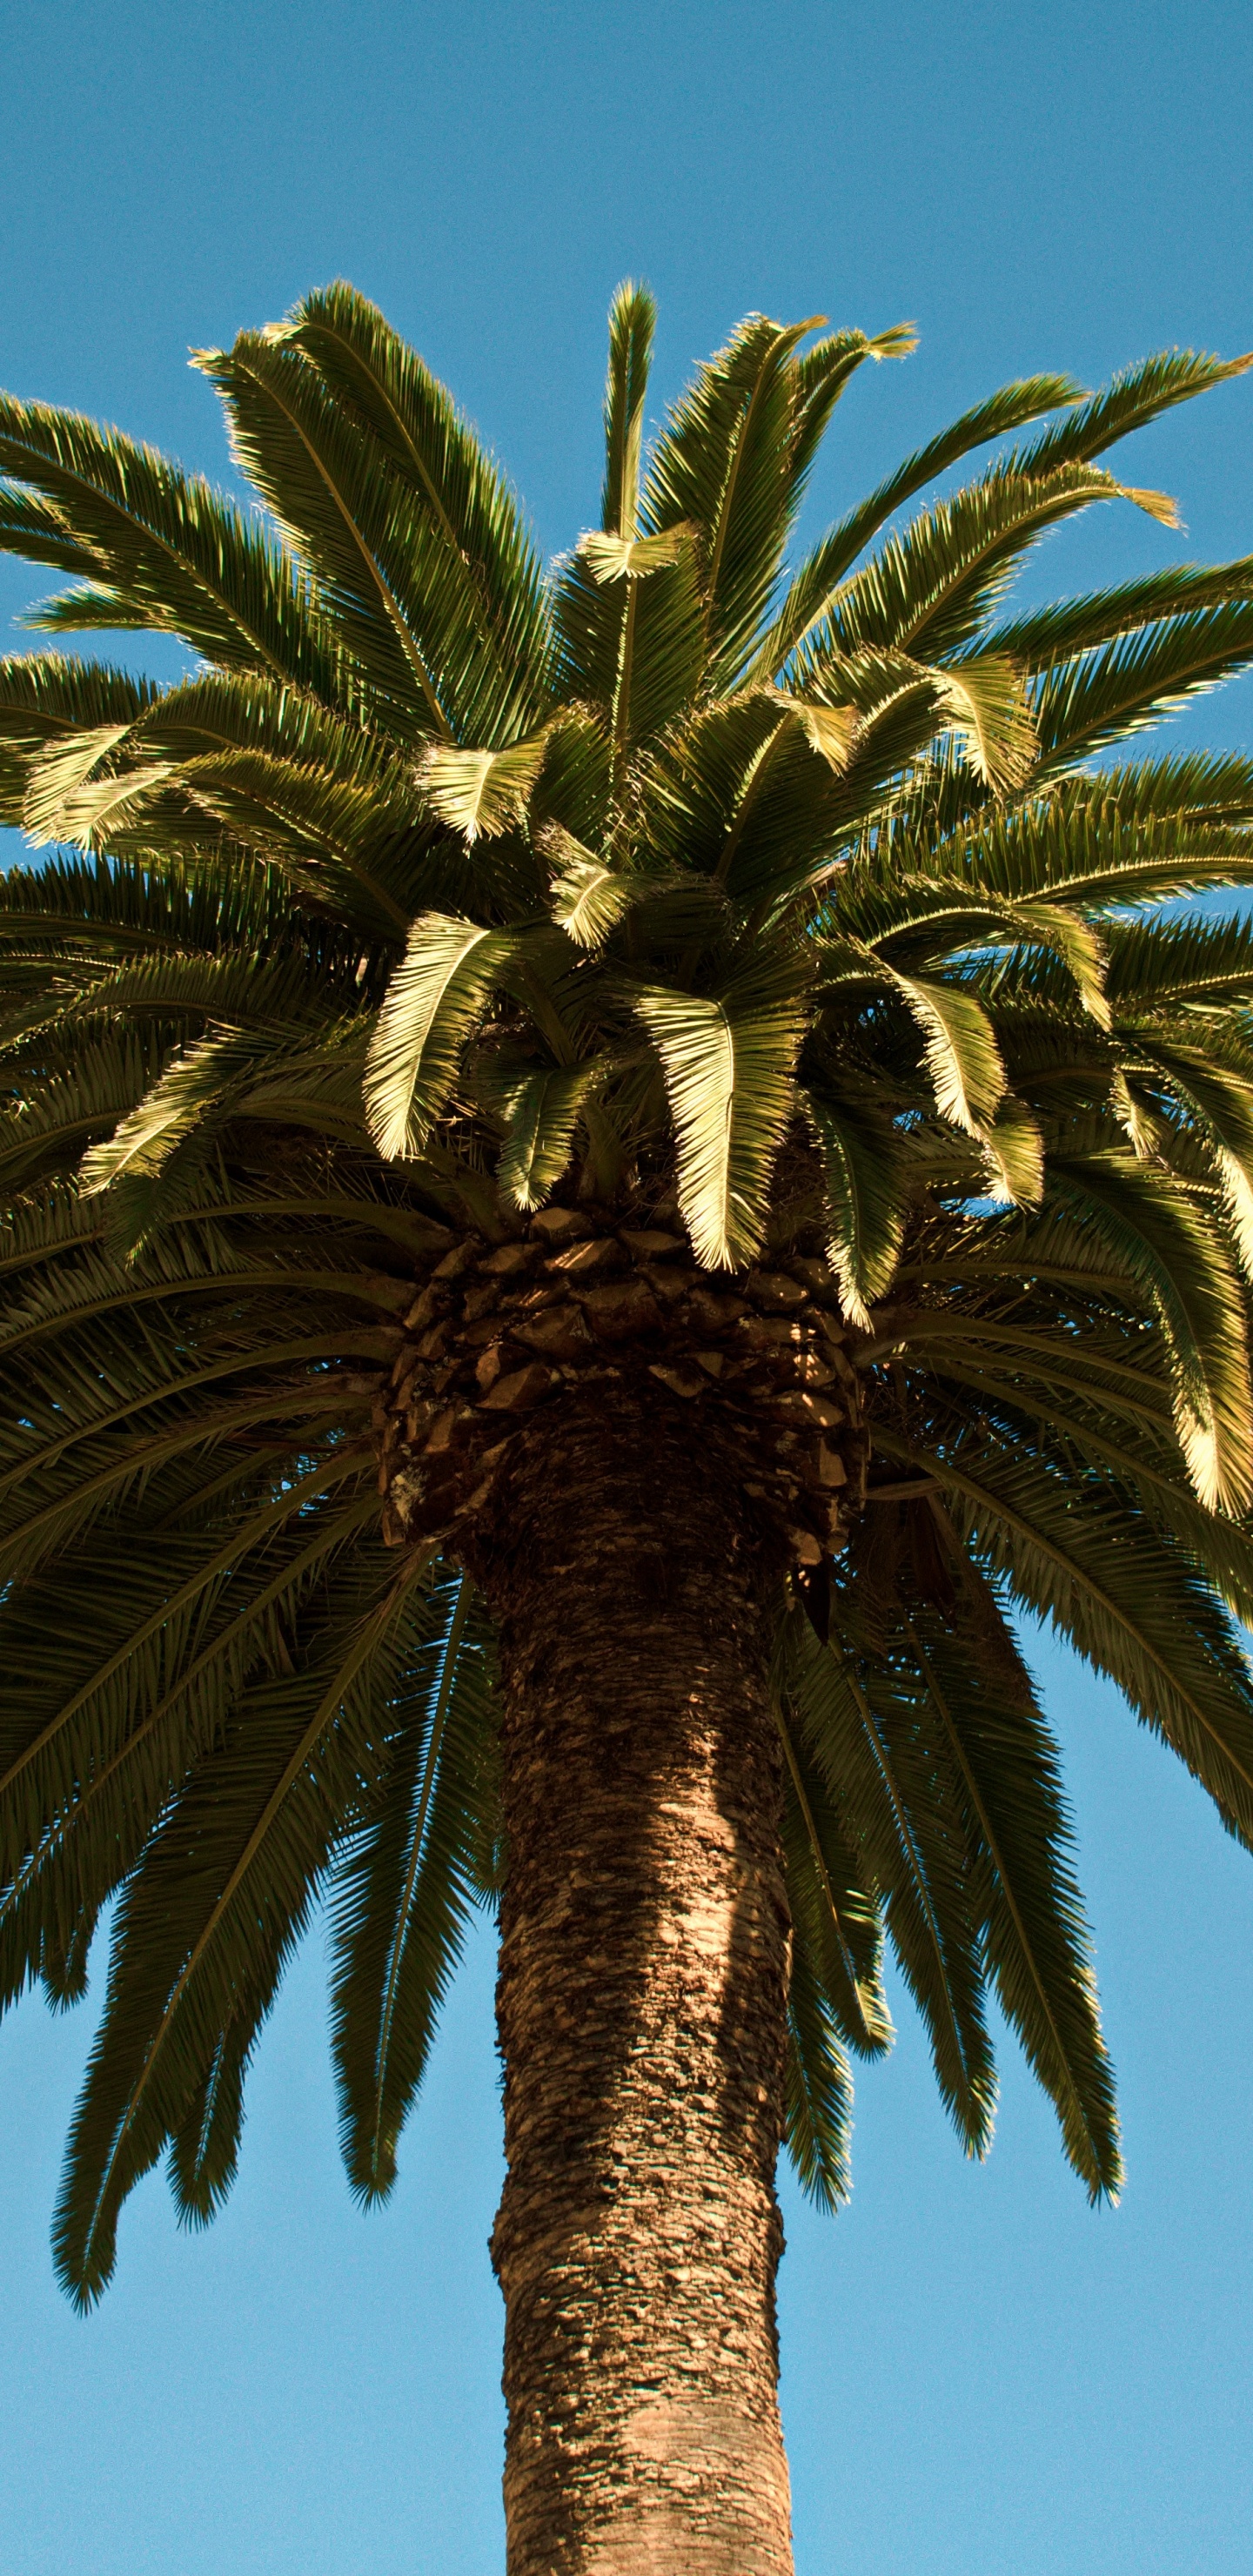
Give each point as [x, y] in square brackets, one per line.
[981, 2377]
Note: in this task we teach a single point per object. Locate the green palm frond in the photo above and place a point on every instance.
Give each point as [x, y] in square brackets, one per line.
[1140, 394]
[403, 1887]
[1155, 968]
[338, 503]
[812, 591]
[818, 2113]
[1085, 705]
[1159, 1237]
[727, 1063]
[834, 1916]
[632, 322]
[436, 999]
[1072, 626]
[217, 1902]
[161, 550]
[1036, 1944]
[902, 1817]
[929, 591]
[479, 607]
[1137, 1607]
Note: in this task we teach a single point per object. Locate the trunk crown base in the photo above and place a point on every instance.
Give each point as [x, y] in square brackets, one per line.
[504, 1343]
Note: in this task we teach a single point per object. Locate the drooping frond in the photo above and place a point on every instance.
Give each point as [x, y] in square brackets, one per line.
[727, 1063]
[403, 1888]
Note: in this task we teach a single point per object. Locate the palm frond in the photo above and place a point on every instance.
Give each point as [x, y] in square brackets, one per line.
[1037, 1945]
[403, 1886]
[727, 1063]
[160, 549]
[808, 599]
[632, 322]
[883, 1784]
[476, 600]
[213, 1912]
[436, 998]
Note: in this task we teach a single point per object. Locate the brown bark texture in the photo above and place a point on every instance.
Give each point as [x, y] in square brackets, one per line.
[641, 1998]
[503, 1336]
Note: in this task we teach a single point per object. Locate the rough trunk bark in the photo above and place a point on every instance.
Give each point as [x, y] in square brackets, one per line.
[641, 2006]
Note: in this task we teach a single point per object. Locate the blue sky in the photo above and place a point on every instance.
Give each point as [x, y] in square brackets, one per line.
[980, 2374]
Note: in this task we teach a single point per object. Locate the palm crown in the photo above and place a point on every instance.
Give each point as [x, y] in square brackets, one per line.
[449, 897]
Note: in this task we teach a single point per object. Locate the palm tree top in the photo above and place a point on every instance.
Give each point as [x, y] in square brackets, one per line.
[790, 930]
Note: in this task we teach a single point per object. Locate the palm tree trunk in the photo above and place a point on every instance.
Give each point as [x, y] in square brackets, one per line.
[641, 2006]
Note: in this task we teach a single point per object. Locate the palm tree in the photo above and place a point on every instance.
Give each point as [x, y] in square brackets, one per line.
[608, 1171]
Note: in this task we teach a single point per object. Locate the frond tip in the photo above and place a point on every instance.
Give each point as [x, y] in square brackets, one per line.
[437, 996]
[728, 1066]
[481, 792]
